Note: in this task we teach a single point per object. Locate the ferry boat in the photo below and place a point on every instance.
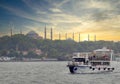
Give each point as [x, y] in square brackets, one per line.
[101, 60]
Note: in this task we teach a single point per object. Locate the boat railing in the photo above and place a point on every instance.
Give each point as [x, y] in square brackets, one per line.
[100, 62]
[104, 58]
[73, 63]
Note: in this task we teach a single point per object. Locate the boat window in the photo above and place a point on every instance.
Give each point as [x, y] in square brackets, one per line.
[106, 63]
[100, 63]
[95, 63]
[100, 55]
[103, 53]
[79, 60]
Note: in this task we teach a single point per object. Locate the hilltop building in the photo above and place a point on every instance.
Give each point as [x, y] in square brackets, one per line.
[34, 35]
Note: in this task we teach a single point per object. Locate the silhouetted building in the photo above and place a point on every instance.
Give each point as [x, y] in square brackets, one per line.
[88, 37]
[51, 34]
[45, 33]
[59, 36]
[79, 37]
[95, 38]
[73, 35]
[34, 35]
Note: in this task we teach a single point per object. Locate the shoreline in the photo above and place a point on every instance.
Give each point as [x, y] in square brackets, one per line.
[36, 61]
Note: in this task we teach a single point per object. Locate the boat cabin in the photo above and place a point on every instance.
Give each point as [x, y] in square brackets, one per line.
[79, 60]
[105, 63]
[101, 57]
[80, 57]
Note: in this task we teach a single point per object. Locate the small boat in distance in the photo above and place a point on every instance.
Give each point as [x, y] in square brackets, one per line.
[100, 60]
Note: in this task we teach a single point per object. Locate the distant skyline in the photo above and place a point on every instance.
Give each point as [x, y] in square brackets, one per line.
[93, 17]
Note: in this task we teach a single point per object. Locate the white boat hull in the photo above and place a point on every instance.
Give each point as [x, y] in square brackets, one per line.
[100, 60]
[87, 70]
[93, 69]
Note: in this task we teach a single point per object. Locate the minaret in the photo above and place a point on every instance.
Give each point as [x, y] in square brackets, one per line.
[79, 37]
[20, 31]
[51, 34]
[73, 35]
[11, 28]
[94, 37]
[66, 36]
[59, 36]
[88, 37]
[45, 32]
[11, 32]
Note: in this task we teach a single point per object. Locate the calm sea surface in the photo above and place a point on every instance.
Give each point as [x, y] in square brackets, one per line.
[50, 73]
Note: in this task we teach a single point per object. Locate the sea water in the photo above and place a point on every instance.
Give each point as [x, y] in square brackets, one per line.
[50, 73]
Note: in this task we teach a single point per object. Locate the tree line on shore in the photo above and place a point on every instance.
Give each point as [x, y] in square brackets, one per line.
[60, 49]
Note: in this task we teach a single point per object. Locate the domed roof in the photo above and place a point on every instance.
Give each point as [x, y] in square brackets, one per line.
[32, 33]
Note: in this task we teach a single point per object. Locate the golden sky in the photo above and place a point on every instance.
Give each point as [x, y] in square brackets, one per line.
[93, 17]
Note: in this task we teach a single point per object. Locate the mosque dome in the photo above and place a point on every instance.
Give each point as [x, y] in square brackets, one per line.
[34, 35]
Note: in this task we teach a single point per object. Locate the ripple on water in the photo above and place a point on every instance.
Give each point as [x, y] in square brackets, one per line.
[50, 73]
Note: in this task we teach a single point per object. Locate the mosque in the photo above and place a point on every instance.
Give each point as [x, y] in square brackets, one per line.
[34, 35]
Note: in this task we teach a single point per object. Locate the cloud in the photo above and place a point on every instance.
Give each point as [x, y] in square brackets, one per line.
[43, 15]
[99, 4]
[23, 14]
[58, 3]
[40, 12]
[55, 10]
[102, 10]
[85, 16]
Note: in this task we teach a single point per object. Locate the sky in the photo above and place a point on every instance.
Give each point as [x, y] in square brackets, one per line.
[93, 17]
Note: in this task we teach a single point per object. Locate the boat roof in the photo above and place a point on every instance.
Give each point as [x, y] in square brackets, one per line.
[99, 60]
[77, 57]
[103, 49]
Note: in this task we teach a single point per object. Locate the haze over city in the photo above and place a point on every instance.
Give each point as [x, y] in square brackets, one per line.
[93, 17]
